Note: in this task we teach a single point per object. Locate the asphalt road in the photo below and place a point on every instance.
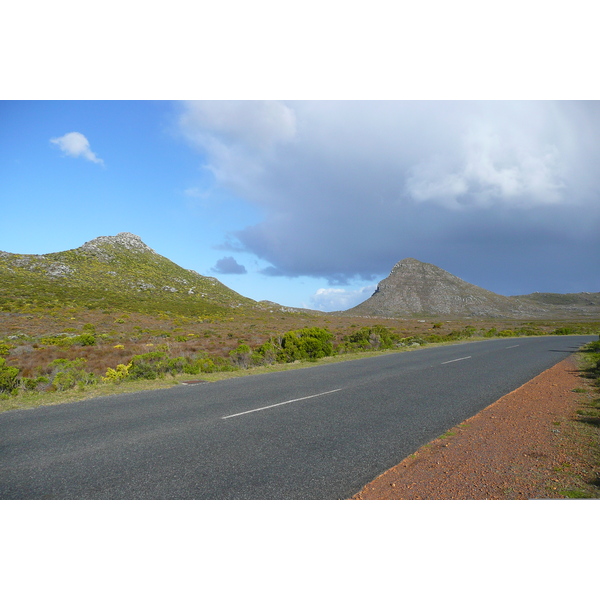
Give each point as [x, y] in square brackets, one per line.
[318, 433]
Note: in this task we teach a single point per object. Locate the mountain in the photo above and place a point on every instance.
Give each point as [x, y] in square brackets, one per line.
[112, 272]
[414, 288]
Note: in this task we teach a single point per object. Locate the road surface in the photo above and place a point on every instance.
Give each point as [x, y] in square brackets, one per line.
[317, 433]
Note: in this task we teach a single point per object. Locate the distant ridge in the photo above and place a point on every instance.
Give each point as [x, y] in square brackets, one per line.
[121, 272]
[118, 273]
[414, 288]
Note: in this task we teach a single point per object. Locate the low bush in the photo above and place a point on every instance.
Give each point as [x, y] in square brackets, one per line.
[66, 374]
[592, 347]
[148, 366]
[153, 365]
[310, 343]
[9, 377]
[377, 337]
[506, 333]
[117, 375]
[265, 354]
[85, 339]
[241, 356]
[31, 384]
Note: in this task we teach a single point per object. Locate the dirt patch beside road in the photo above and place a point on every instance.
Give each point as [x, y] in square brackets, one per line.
[523, 446]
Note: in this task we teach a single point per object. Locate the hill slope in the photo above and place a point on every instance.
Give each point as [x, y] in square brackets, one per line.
[112, 272]
[581, 299]
[414, 288]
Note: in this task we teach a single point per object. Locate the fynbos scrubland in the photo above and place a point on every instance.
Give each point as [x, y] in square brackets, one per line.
[114, 311]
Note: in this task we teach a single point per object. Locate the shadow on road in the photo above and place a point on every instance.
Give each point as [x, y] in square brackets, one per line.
[568, 351]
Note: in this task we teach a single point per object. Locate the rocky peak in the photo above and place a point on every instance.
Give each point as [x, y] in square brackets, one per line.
[125, 240]
[100, 247]
[412, 264]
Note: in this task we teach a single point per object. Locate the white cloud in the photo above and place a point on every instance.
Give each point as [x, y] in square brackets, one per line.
[257, 125]
[331, 299]
[496, 166]
[237, 136]
[76, 144]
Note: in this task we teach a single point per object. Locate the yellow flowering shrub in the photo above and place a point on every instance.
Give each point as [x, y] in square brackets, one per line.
[117, 375]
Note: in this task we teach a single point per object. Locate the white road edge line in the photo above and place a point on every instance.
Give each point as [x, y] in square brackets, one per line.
[281, 403]
[515, 346]
[449, 361]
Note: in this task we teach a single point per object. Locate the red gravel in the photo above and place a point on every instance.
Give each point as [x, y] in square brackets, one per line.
[514, 449]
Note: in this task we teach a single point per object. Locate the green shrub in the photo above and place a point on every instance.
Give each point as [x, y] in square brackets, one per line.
[148, 366]
[240, 357]
[206, 365]
[377, 337]
[66, 374]
[57, 340]
[530, 331]
[222, 364]
[191, 367]
[592, 347]
[453, 335]
[182, 364]
[157, 364]
[310, 343]
[30, 383]
[85, 339]
[9, 377]
[576, 328]
[265, 354]
[564, 331]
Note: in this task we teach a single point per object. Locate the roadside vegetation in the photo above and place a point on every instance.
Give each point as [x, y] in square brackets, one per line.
[583, 433]
[61, 355]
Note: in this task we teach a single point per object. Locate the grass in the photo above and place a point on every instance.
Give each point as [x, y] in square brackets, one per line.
[448, 434]
[577, 493]
[582, 433]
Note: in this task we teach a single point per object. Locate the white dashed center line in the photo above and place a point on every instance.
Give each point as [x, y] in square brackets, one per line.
[449, 361]
[280, 404]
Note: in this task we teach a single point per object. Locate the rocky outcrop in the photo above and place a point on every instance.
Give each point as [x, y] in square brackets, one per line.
[417, 288]
[125, 240]
[102, 247]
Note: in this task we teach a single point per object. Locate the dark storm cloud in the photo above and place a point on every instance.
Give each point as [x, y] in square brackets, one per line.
[502, 194]
[229, 266]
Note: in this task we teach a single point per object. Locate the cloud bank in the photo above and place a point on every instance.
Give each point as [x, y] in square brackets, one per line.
[75, 144]
[502, 194]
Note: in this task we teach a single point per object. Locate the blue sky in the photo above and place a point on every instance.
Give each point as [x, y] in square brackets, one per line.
[150, 182]
[311, 203]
